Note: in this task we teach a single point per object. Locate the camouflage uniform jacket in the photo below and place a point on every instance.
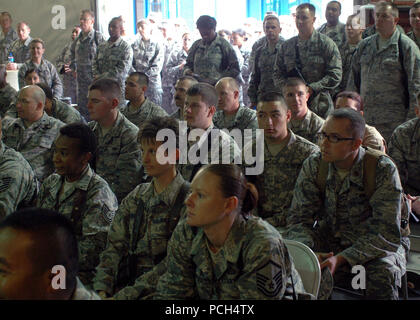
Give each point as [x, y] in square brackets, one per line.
[262, 76]
[118, 159]
[346, 53]
[337, 34]
[35, 143]
[173, 70]
[366, 228]
[96, 213]
[275, 185]
[65, 112]
[153, 237]
[20, 50]
[245, 118]
[413, 37]
[8, 96]
[18, 185]
[212, 62]
[320, 67]
[81, 293]
[308, 127]
[5, 44]
[373, 139]
[253, 263]
[113, 60]
[404, 148]
[377, 75]
[83, 52]
[147, 111]
[48, 74]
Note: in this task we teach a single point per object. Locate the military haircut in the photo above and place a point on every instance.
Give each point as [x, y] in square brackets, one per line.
[85, 135]
[233, 84]
[5, 13]
[24, 23]
[274, 96]
[142, 78]
[415, 6]
[37, 40]
[206, 91]
[107, 86]
[385, 5]
[336, 2]
[47, 90]
[308, 6]
[233, 183]
[353, 96]
[294, 82]
[37, 93]
[54, 240]
[32, 70]
[150, 128]
[357, 122]
[89, 12]
[271, 17]
[206, 22]
[189, 78]
[118, 19]
[240, 32]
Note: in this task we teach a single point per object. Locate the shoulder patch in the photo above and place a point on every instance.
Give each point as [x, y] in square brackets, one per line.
[269, 279]
[107, 214]
[5, 183]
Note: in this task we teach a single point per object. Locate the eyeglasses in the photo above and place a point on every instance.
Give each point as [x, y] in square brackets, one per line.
[331, 137]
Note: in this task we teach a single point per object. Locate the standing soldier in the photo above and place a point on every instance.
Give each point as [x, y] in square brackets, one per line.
[148, 57]
[113, 57]
[7, 93]
[20, 48]
[414, 34]
[83, 51]
[238, 38]
[312, 56]
[333, 28]
[9, 35]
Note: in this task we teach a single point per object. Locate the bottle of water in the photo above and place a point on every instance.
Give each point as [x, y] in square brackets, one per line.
[10, 58]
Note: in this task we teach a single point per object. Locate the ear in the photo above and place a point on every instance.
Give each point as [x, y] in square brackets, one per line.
[144, 89]
[212, 111]
[417, 110]
[231, 204]
[308, 95]
[115, 103]
[236, 94]
[356, 144]
[86, 158]
[362, 113]
[288, 115]
[396, 19]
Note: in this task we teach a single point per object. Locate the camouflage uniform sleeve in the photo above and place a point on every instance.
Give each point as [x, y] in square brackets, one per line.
[178, 280]
[12, 181]
[265, 270]
[189, 65]
[122, 67]
[396, 152]
[117, 246]
[333, 68]
[233, 69]
[305, 203]
[280, 71]
[353, 83]
[73, 55]
[173, 67]
[156, 64]
[21, 75]
[412, 70]
[59, 61]
[57, 85]
[384, 225]
[254, 82]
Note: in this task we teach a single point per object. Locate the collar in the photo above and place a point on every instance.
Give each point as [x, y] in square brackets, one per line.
[392, 41]
[27, 41]
[82, 183]
[116, 43]
[292, 140]
[115, 128]
[168, 196]
[45, 118]
[356, 171]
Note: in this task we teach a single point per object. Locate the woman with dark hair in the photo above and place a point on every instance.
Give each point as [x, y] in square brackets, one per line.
[219, 250]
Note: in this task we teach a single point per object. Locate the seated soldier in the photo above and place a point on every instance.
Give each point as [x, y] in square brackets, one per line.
[33, 132]
[59, 109]
[181, 87]
[231, 114]
[7, 93]
[372, 138]
[284, 153]
[303, 122]
[404, 149]
[139, 108]
[153, 210]
[334, 214]
[213, 145]
[220, 251]
[81, 195]
[118, 157]
[18, 184]
[39, 258]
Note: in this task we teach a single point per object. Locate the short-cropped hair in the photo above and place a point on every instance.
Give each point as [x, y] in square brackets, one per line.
[273, 96]
[37, 40]
[383, 4]
[206, 22]
[294, 82]
[149, 129]
[309, 6]
[31, 70]
[89, 12]
[142, 78]
[206, 91]
[107, 86]
[85, 135]
[353, 96]
[357, 122]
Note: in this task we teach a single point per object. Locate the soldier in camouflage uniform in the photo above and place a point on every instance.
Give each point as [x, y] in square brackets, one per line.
[83, 51]
[34, 242]
[158, 205]
[231, 114]
[113, 57]
[238, 37]
[211, 57]
[20, 47]
[58, 109]
[118, 158]
[303, 121]
[63, 67]
[351, 228]
[312, 56]
[372, 138]
[139, 108]
[46, 70]
[9, 36]
[211, 145]
[81, 195]
[333, 28]
[404, 148]
[414, 34]
[7, 93]
[18, 185]
[219, 251]
[283, 156]
[265, 57]
[148, 57]
[34, 132]
[387, 87]
[181, 87]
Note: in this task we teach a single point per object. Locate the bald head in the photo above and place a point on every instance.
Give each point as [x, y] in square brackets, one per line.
[35, 92]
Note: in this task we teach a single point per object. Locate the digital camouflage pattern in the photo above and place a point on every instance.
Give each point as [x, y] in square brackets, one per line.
[336, 33]
[68, 79]
[245, 118]
[308, 127]
[65, 112]
[20, 50]
[147, 111]
[5, 44]
[8, 96]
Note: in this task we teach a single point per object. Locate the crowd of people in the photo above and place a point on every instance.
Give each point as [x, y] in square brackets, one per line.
[332, 116]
